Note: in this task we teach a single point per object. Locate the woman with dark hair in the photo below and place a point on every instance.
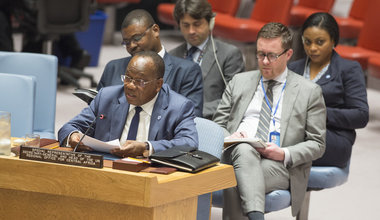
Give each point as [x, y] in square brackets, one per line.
[343, 86]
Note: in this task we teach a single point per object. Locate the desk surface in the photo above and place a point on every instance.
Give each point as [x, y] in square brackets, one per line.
[110, 185]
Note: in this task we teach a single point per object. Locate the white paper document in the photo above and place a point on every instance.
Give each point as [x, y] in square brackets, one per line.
[254, 142]
[101, 146]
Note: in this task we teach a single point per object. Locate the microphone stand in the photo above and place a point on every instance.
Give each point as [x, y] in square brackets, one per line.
[85, 133]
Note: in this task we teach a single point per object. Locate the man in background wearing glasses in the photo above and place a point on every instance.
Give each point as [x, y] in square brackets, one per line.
[141, 33]
[143, 113]
[282, 109]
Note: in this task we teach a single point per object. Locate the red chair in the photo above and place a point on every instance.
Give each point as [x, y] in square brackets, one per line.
[165, 13]
[349, 28]
[165, 10]
[246, 29]
[368, 41]
[305, 8]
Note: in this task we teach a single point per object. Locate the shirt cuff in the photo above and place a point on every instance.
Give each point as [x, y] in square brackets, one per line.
[68, 138]
[150, 148]
[287, 159]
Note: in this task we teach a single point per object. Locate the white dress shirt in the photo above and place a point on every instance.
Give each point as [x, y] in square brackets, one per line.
[144, 123]
[162, 52]
[197, 53]
[251, 117]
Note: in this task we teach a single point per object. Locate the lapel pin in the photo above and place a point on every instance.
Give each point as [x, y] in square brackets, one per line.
[159, 117]
[328, 77]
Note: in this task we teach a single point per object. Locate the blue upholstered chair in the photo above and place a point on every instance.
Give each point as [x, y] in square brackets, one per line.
[322, 177]
[211, 138]
[44, 68]
[17, 97]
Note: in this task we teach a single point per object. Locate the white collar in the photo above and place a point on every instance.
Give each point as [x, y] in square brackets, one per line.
[147, 107]
[162, 52]
[200, 46]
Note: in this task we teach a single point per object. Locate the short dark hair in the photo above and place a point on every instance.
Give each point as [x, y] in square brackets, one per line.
[158, 62]
[138, 16]
[324, 21]
[273, 30]
[197, 9]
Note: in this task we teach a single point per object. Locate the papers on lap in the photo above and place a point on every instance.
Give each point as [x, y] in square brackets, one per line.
[254, 142]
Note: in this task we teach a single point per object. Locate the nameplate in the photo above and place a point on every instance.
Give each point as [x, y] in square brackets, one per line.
[62, 157]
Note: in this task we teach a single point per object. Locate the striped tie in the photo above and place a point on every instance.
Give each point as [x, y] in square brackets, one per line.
[265, 113]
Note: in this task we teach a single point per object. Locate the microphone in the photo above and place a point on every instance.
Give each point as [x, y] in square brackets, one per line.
[88, 129]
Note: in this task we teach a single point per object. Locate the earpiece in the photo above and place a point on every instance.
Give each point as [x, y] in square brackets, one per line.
[212, 23]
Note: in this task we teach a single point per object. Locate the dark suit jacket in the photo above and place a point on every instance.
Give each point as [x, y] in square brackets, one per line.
[183, 76]
[303, 123]
[231, 61]
[172, 121]
[344, 91]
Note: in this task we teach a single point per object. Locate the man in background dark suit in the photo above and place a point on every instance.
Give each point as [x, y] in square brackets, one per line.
[166, 119]
[195, 19]
[141, 33]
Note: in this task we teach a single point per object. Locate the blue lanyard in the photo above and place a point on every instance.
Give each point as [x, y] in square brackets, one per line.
[267, 101]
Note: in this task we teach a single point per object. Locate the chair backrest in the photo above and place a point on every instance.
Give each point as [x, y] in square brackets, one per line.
[210, 135]
[358, 9]
[369, 35]
[44, 68]
[322, 5]
[272, 11]
[17, 97]
[63, 17]
[229, 7]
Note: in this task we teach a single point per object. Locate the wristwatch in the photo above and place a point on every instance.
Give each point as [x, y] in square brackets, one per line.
[146, 151]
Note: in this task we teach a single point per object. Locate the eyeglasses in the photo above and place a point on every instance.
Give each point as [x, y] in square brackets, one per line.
[272, 57]
[137, 82]
[136, 38]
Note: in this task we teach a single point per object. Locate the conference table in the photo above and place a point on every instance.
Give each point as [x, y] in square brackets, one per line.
[39, 190]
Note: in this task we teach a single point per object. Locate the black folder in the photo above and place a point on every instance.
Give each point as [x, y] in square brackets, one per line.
[185, 158]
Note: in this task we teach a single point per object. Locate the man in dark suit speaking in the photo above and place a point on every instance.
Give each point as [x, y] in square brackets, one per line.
[141, 33]
[165, 118]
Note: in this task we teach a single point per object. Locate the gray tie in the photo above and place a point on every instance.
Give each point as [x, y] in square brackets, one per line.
[265, 113]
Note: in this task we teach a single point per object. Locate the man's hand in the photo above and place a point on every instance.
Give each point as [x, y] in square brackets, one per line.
[74, 139]
[238, 134]
[130, 149]
[272, 151]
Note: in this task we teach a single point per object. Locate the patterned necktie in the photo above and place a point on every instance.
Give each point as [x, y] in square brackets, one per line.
[190, 53]
[265, 113]
[132, 133]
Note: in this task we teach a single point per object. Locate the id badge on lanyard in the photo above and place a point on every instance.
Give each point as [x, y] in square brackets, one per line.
[274, 136]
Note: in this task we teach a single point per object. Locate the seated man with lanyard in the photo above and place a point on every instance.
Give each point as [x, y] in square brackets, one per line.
[281, 108]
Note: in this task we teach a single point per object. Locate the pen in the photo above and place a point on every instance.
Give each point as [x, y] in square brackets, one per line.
[139, 160]
[54, 147]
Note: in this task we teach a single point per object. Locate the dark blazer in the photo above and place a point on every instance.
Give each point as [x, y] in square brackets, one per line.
[172, 122]
[231, 61]
[183, 76]
[344, 91]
